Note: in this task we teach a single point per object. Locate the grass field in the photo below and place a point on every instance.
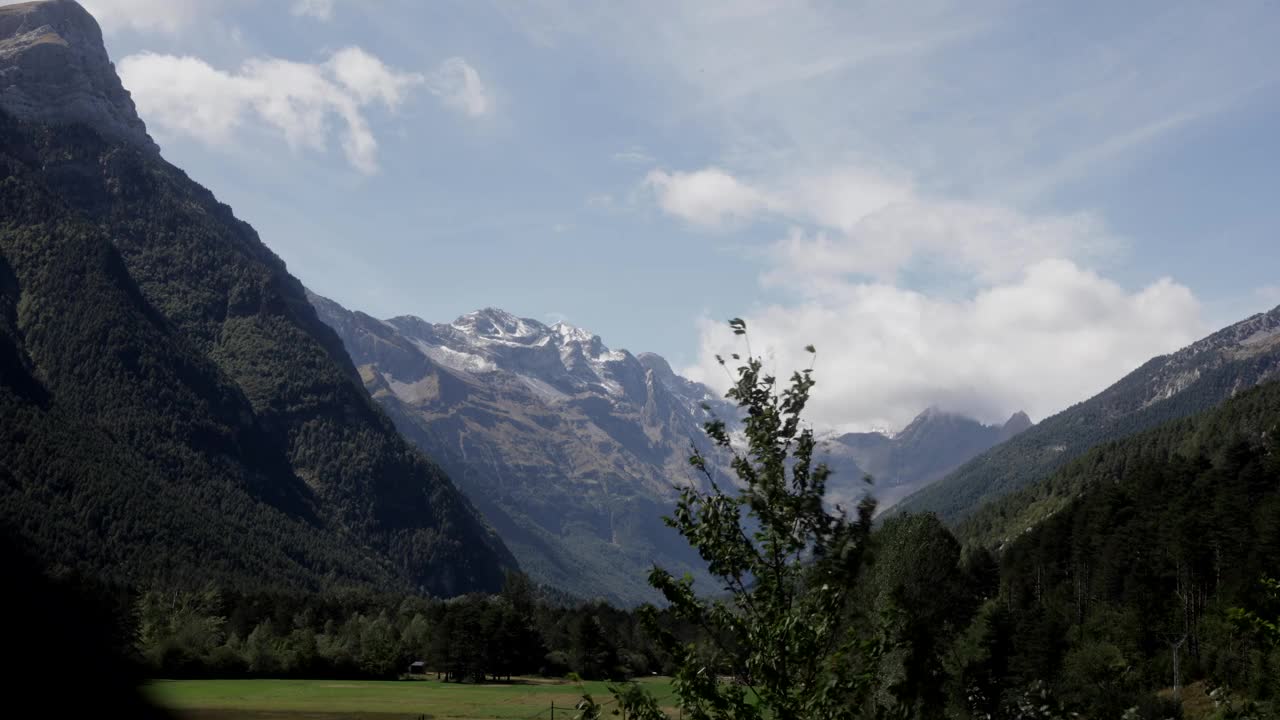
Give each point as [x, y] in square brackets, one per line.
[390, 700]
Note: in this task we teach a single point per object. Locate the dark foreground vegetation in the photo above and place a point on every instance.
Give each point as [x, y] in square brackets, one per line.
[1143, 583]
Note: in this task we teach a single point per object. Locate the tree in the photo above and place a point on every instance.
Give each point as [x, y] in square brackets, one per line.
[784, 643]
[176, 630]
[1266, 628]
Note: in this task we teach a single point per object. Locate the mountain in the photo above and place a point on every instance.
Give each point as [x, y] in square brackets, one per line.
[1250, 418]
[1155, 539]
[933, 444]
[171, 408]
[1188, 381]
[54, 68]
[572, 450]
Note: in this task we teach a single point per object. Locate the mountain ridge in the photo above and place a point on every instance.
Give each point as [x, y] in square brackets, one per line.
[571, 449]
[173, 409]
[544, 422]
[931, 445]
[1166, 387]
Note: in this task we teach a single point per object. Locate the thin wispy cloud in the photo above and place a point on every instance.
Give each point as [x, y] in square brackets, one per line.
[880, 174]
[302, 101]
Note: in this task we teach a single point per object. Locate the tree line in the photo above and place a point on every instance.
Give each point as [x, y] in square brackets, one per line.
[1143, 589]
[474, 638]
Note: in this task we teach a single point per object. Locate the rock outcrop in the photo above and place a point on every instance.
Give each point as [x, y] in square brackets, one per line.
[54, 68]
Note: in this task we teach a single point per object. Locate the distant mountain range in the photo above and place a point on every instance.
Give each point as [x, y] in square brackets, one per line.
[574, 451]
[171, 409]
[175, 407]
[1193, 379]
[933, 444]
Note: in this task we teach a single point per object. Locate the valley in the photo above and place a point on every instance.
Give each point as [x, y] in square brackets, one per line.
[228, 489]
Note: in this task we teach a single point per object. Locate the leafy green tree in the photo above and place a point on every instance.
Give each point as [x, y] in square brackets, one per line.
[918, 581]
[1267, 628]
[178, 630]
[784, 643]
[261, 650]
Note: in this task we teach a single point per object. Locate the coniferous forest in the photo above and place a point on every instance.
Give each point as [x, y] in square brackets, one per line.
[1150, 582]
[195, 482]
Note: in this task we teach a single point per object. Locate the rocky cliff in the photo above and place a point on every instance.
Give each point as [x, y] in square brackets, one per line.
[54, 69]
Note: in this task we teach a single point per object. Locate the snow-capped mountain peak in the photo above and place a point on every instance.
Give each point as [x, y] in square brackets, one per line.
[495, 324]
[562, 358]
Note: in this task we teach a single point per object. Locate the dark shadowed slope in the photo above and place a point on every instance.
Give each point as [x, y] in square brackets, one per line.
[172, 407]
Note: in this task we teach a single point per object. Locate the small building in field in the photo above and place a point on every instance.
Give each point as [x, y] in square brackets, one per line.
[417, 667]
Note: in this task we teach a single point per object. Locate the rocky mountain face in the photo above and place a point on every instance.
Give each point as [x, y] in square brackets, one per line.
[933, 444]
[571, 449]
[54, 69]
[574, 451]
[171, 408]
[1191, 380]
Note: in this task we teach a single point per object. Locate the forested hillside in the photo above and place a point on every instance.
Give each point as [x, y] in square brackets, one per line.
[1252, 415]
[1143, 549]
[1173, 386]
[172, 407]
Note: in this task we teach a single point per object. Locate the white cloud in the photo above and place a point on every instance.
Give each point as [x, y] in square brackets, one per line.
[1028, 328]
[1055, 335]
[186, 95]
[980, 242]
[869, 225]
[709, 197]
[369, 79]
[459, 86]
[318, 9]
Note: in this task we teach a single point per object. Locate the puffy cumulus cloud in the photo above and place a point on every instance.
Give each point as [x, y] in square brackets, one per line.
[913, 302]
[186, 95]
[853, 222]
[459, 86]
[982, 242]
[1054, 335]
[318, 9]
[710, 197]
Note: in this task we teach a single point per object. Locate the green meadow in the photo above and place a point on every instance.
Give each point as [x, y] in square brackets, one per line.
[380, 700]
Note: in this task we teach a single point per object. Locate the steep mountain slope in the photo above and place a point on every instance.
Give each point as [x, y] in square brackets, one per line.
[1193, 379]
[1251, 417]
[572, 450]
[1153, 540]
[933, 444]
[172, 408]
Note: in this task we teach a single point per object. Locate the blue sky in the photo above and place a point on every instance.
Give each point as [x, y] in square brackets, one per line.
[980, 206]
